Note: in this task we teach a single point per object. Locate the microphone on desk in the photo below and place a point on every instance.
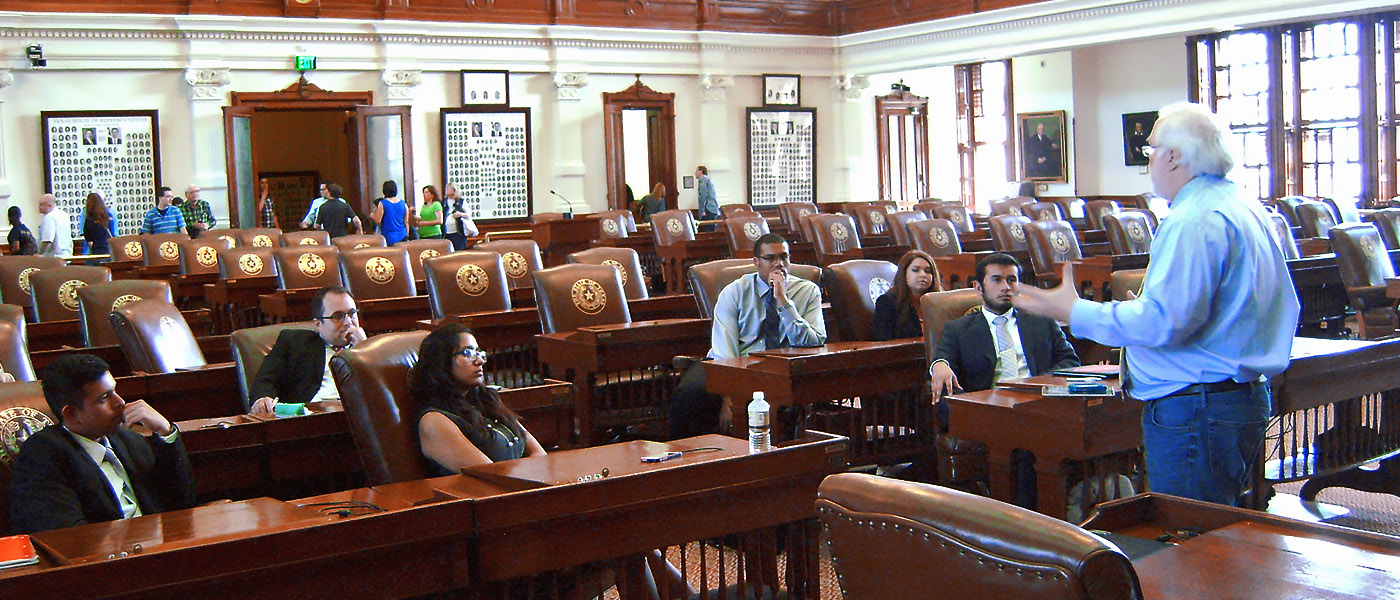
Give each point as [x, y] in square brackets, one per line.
[570, 213]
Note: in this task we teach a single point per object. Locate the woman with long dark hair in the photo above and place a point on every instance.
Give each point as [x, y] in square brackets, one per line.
[97, 224]
[429, 218]
[897, 310]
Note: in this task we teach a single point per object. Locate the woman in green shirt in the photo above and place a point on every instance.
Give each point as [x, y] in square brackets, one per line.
[430, 216]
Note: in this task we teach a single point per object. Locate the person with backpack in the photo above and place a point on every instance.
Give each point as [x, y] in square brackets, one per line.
[21, 238]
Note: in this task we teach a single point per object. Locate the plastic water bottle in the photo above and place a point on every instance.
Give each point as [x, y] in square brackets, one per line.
[760, 415]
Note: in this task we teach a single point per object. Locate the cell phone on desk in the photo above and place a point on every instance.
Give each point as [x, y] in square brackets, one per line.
[663, 457]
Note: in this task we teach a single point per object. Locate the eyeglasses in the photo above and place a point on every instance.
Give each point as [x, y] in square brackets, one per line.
[472, 354]
[775, 257]
[339, 317]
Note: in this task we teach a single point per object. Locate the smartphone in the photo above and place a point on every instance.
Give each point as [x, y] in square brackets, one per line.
[663, 457]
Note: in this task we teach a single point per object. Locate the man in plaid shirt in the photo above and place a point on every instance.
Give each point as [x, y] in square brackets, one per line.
[198, 216]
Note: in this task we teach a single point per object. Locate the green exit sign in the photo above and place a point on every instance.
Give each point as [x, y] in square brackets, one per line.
[306, 63]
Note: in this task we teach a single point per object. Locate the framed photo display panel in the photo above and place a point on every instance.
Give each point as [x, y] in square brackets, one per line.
[782, 90]
[486, 88]
[782, 147]
[486, 154]
[115, 153]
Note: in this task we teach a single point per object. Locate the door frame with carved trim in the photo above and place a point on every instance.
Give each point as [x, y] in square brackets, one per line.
[661, 142]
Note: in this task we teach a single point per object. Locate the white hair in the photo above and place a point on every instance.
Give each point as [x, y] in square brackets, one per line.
[1197, 134]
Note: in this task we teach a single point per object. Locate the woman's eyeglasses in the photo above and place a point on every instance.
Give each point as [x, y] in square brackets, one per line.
[472, 354]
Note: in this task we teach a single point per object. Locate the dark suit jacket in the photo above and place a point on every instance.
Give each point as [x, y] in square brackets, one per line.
[968, 347]
[293, 369]
[55, 484]
[887, 324]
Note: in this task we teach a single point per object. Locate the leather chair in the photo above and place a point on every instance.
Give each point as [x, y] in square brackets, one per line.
[229, 236]
[466, 282]
[1128, 232]
[671, 227]
[1010, 206]
[306, 238]
[309, 266]
[1315, 218]
[958, 215]
[248, 261]
[250, 348]
[56, 290]
[14, 344]
[1094, 211]
[1151, 217]
[1364, 265]
[1051, 243]
[612, 224]
[1070, 208]
[1043, 211]
[373, 381]
[1387, 222]
[374, 273]
[804, 226]
[1284, 234]
[938, 308]
[1288, 207]
[625, 260]
[520, 257]
[161, 249]
[359, 240]
[1141, 201]
[125, 248]
[1344, 211]
[15, 271]
[24, 409]
[833, 235]
[853, 286]
[623, 216]
[850, 208]
[573, 296]
[899, 226]
[729, 210]
[790, 215]
[1009, 232]
[259, 237]
[871, 220]
[943, 543]
[201, 255]
[546, 217]
[421, 250]
[890, 206]
[742, 230]
[97, 301]
[708, 279]
[155, 337]
[1127, 280]
[937, 237]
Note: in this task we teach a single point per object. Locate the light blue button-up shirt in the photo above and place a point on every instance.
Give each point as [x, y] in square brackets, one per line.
[740, 309]
[1218, 302]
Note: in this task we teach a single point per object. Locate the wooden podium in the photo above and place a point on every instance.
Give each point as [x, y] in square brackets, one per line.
[560, 237]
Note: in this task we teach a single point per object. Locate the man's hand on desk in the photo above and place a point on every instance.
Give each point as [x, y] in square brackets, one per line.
[263, 406]
[944, 381]
[1054, 303]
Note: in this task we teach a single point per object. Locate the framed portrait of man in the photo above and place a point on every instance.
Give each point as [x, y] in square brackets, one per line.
[1042, 155]
[1136, 127]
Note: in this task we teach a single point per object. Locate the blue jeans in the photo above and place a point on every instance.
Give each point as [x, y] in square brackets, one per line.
[1205, 445]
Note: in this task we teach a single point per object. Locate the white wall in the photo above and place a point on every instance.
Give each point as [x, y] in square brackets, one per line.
[1042, 83]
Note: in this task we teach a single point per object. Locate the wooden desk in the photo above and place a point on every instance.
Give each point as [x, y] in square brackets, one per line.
[380, 315]
[1095, 272]
[643, 245]
[880, 390]
[286, 306]
[234, 302]
[885, 253]
[676, 258]
[1318, 283]
[557, 239]
[68, 333]
[1249, 555]
[958, 270]
[188, 289]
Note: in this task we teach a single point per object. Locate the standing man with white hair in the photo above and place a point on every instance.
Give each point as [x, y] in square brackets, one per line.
[56, 230]
[1215, 318]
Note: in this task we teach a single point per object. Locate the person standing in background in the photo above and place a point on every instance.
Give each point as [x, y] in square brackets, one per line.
[310, 218]
[267, 211]
[199, 216]
[96, 224]
[389, 214]
[705, 192]
[111, 216]
[21, 239]
[429, 219]
[652, 203]
[161, 218]
[56, 230]
[458, 225]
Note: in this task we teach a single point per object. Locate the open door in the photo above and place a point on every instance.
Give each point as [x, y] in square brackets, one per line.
[661, 140]
[238, 157]
[386, 153]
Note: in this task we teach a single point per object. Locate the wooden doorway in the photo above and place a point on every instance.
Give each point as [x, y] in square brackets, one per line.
[901, 138]
[661, 142]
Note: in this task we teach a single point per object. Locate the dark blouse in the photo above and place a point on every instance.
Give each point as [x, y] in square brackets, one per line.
[888, 325]
[498, 443]
[96, 236]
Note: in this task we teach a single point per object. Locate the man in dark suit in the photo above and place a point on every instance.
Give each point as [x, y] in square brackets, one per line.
[296, 370]
[91, 467]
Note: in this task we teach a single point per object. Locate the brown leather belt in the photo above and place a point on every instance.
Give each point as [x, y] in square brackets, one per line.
[1228, 385]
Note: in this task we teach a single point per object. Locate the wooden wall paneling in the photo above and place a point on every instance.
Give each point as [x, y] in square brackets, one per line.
[802, 17]
[651, 14]
[535, 12]
[865, 15]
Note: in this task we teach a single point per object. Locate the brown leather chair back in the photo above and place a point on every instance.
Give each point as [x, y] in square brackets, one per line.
[250, 348]
[1051, 243]
[1126, 280]
[625, 260]
[957, 215]
[161, 249]
[1284, 234]
[520, 257]
[1361, 255]
[25, 411]
[466, 282]
[306, 238]
[1010, 206]
[1151, 217]
[201, 255]
[97, 301]
[56, 290]
[155, 337]
[730, 210]
[359, 240]
[1141, 201]
[625, 216]
[421, 250]
[1128, 232]
[790, 215]
[1094, 211]
[899, 226]
[373, 381]
[1288, 207]
[373, 273]
[950, 544]
[871, 220]
[707, 279]
[938, 308]
[546, 217]
[229, 236]
[849, 208]
[14, 343]
[573, 296]
[937, 237]
[15, 272]
[1387, 222]
[614, 224]
[126, 248]
[1008, 232]
[259, 237]
[1043, 211]
[671, 227]
[1069, 207]
[742, 230]
[309, 266]
[1315, 218]
[833, 234]
[853, 286]
[246, 262]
